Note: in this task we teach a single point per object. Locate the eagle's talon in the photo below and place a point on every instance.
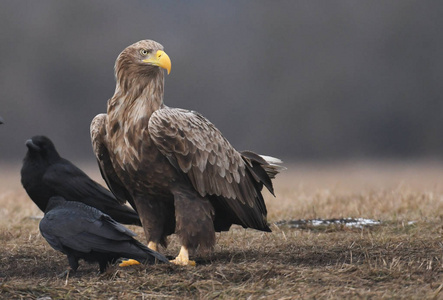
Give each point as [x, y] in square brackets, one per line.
[129, 262]
[180, 262]
[182, 258]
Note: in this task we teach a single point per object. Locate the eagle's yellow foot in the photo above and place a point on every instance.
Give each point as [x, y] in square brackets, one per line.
[153, 246]
[180, 262]
[129, 262]
[182, 258]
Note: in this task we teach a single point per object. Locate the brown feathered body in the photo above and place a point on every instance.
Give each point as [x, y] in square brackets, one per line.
[173, 165]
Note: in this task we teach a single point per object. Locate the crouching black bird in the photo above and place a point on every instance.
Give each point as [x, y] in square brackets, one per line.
[46, 174]
[83, 232]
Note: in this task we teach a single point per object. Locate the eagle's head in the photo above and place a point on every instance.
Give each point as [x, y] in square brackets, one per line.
[144, 58]
[139, 74]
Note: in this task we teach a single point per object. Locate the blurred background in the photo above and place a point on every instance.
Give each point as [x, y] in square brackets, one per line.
[300, 80]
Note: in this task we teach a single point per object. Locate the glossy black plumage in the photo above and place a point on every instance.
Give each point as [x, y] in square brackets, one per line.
[83, 232]
[45, 174]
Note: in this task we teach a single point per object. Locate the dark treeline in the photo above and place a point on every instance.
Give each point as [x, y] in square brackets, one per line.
[294, 79]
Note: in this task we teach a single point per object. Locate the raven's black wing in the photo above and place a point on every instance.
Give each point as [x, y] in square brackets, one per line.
[82, 228]
[73, 184]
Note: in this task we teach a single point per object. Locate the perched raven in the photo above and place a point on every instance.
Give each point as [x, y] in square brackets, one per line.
[83, 232]
[45, 174]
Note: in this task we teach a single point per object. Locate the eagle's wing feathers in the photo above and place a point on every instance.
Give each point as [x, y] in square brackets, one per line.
[197, 148]
[98, 136]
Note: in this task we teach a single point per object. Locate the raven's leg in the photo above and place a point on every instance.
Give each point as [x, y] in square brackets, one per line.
[73, 262]
[73, 266]
[103, 264]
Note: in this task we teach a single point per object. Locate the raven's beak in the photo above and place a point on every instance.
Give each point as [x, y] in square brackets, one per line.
[31, 146]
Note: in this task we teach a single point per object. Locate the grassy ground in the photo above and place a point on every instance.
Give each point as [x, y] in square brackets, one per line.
[397, 259]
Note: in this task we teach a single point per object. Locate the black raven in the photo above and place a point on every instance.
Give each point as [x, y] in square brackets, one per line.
[83, 232]
[45, 174]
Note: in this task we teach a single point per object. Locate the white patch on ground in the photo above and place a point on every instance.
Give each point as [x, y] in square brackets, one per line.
[360, 223]
[348, 222]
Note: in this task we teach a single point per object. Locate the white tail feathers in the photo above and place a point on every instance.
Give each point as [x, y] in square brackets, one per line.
[273, 167]
[271, 160]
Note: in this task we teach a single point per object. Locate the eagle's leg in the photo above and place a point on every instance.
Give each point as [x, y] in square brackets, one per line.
[194, 223]
[182, 258]
[152, 224]
[153, 246]
[153, 211]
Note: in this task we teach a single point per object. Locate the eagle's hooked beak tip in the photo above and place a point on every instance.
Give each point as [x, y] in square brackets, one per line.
[160, 59]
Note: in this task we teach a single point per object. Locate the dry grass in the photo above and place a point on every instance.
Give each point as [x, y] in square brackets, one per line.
[394, 260]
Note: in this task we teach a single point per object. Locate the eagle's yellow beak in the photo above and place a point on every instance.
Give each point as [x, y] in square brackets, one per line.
[160, 59]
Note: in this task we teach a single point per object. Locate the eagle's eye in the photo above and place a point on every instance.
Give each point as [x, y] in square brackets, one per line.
[144, 52]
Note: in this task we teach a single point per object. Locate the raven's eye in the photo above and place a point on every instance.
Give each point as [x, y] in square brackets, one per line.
[144, 52]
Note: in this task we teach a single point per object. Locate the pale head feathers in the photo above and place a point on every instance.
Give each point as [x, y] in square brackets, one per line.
[133, 76]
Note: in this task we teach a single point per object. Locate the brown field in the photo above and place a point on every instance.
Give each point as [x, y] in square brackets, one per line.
[397, 259]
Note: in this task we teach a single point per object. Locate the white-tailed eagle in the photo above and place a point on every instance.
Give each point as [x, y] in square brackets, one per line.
[172, 164]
